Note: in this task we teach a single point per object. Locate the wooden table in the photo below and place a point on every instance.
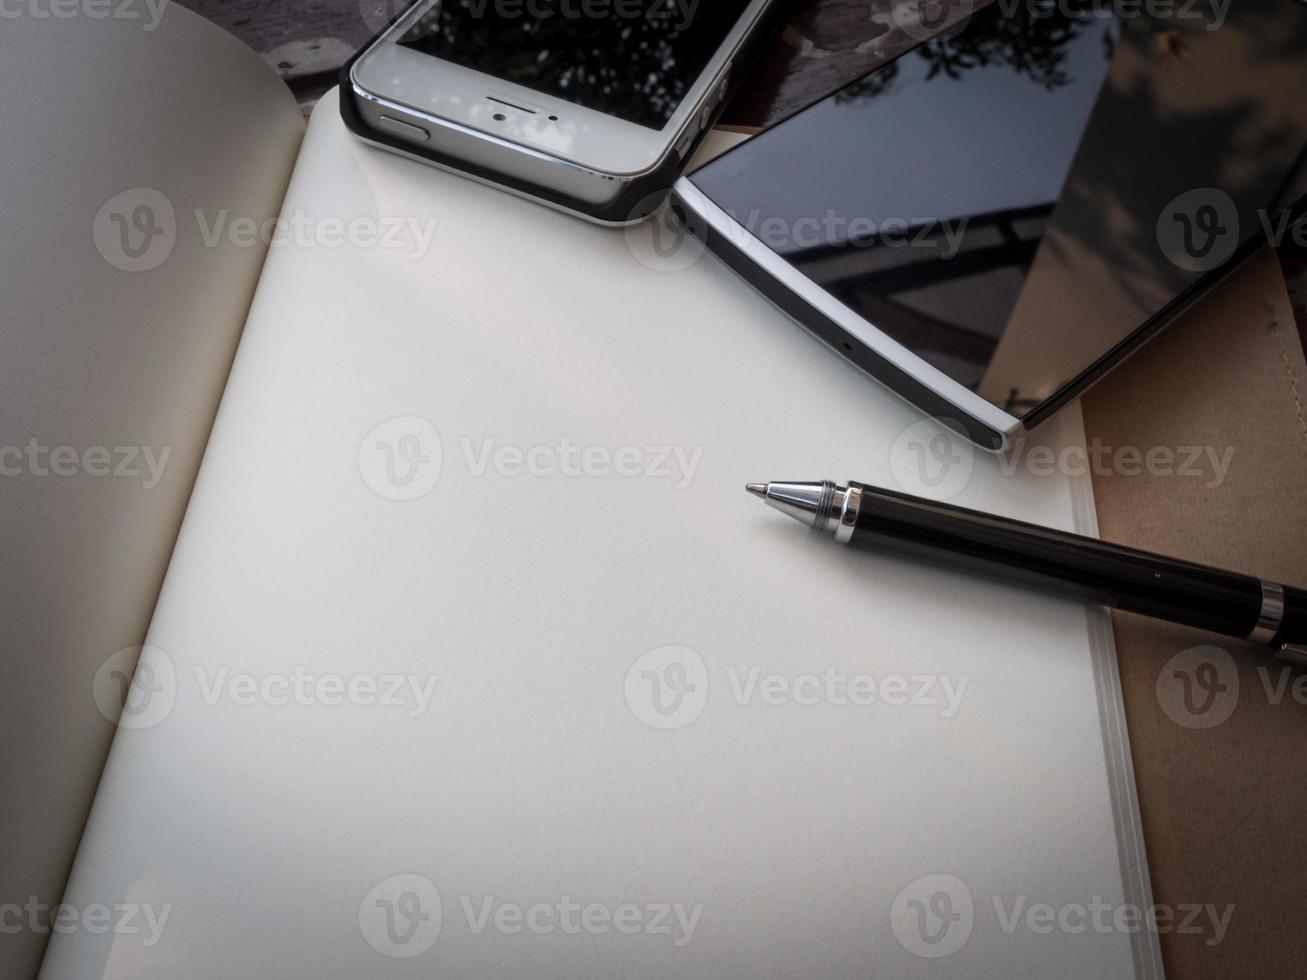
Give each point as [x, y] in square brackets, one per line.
[824, 44]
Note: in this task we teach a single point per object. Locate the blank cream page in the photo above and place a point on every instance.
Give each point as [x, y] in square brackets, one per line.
[476, 660]
[133, 136]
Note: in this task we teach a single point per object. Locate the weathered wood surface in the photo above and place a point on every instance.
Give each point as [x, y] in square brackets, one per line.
[823, 45]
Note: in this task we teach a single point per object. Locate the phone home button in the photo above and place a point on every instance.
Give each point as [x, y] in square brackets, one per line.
[401, 128]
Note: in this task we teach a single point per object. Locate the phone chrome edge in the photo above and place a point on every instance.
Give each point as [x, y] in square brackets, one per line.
[502, 188]
[467, 132]
[966, 401]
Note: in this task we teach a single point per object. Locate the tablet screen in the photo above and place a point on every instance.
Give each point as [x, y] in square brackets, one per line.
[1015, 199]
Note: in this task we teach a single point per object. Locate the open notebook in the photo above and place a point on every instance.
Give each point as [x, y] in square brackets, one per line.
[470, 656]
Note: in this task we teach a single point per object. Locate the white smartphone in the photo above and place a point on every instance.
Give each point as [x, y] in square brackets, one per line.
[590, 106]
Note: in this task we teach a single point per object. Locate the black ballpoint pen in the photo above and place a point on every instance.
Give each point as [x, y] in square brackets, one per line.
[1051, 561]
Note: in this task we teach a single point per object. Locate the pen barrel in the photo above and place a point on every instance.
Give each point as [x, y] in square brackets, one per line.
[1063, 564]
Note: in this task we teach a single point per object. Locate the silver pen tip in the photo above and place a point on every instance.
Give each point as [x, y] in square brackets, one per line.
[757, 489]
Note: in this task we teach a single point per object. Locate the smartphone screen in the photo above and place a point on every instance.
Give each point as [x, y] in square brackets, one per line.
[1013, 200]
[633, 59]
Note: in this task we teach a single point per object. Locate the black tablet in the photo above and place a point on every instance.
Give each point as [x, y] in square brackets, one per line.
[993, 220]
